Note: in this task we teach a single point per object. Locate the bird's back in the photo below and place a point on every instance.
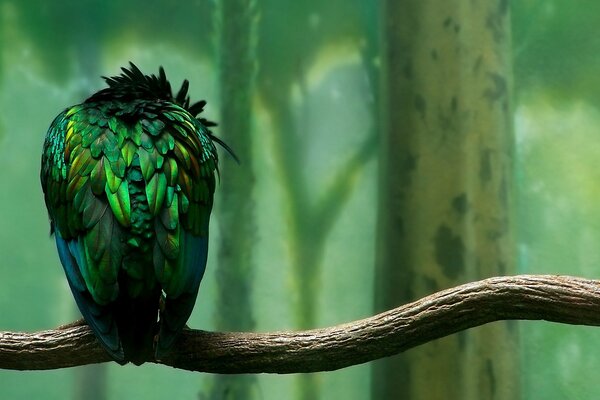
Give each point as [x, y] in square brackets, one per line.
[128, 179]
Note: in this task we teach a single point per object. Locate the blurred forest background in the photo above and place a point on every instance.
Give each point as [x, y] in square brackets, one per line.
[389, 149]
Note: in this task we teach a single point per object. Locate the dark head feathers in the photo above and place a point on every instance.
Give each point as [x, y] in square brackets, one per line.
[132, 84]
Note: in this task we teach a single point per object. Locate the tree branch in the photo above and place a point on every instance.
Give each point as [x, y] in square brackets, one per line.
[561, 299]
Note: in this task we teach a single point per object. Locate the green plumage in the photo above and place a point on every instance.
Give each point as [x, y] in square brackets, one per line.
[129, 177]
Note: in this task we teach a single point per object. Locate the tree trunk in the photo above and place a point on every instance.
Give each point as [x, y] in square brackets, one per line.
[446, 204]
[237, 68]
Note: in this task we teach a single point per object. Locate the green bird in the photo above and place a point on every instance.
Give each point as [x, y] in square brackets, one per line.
[128, 179]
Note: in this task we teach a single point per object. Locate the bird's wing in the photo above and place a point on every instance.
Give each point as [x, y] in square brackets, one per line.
[187, 180]
[83, 178]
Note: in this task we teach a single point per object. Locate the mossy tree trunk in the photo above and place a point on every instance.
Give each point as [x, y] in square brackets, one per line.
[446, 206]
[237, 68]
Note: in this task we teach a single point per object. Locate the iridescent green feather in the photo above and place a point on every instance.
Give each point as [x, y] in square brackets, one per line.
[92, 170]
[128, 178]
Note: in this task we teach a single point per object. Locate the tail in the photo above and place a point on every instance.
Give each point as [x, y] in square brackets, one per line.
[136, 319]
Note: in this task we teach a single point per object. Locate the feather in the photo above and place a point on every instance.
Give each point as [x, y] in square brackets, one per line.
[93, 210]
[98, 177]
[120, 203]
[82, 165]
[155, 192]
[169, 215]
[197, 108]
[146, 163]
[170, 170]
[75, 186]
[127, 151]
[113, 181]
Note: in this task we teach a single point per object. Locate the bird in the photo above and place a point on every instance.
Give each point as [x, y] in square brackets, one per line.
[128, 177]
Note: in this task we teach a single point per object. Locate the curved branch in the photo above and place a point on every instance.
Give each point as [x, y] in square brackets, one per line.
[554, 298]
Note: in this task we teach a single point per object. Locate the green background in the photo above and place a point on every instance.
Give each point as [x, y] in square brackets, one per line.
[52, 54]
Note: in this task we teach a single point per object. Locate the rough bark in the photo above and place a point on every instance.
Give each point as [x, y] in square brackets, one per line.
[561, 299]
[446, 173]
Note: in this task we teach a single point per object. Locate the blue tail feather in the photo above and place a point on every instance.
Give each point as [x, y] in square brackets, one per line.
[98, 317]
